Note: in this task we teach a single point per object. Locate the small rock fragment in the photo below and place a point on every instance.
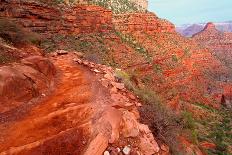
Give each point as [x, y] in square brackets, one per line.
[96, 71]
[79, 54]
[119, 86]
[131, 96]
[138, 104]
[61, 52]
[109, 77]
[164, 148]
[106, 153]
[78, 60]
[138, 153]
[85, 63]
[113, 90]
[118, 149]
[105, 83]
[126, 150]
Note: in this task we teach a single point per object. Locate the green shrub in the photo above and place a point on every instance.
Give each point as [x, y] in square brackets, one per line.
[4, 59]
[14, 33]
[174, 58]
[190, 126]
[131, 41]
[221, 133]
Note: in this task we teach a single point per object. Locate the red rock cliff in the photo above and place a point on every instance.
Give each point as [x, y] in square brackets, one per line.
[49, 20]
[148, 22]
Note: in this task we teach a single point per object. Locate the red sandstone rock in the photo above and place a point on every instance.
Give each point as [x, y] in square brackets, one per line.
[130, 125]
[41, 64]
[22, 82]
[97, 146]
[207, 145]
[147, 22]
[47, 20]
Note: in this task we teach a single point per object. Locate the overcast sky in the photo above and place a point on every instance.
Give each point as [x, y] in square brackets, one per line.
[192, 11]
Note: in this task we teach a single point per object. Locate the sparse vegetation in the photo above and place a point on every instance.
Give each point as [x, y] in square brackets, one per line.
[174, 58]
[4, 59]
[15, 34]
[118, 6]
[157, 68]
[92, 45]
[218, 129]
[190, 126]
[128, 39]
[165, 125]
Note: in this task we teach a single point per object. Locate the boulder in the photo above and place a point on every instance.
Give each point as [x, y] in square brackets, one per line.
[148, 145]
[130, 126]
[41, 64]
[98, 145]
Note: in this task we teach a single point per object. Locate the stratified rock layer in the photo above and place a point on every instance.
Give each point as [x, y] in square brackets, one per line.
[147, 22]
[51, 20]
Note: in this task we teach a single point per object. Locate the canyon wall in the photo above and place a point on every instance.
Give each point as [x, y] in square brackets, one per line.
[50, 20]
[148, 22]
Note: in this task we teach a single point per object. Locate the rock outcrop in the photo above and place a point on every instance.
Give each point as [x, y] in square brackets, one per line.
[24, 81]
[49, 20]
[147, 22]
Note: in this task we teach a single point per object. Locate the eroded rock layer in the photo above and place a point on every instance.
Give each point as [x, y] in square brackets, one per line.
[50, 20]
[147, 22]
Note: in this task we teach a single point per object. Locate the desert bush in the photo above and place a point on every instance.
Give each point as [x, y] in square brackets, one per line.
[164, 124]
[189, 125]
[16, 34]
[221, 133]
[3, 58]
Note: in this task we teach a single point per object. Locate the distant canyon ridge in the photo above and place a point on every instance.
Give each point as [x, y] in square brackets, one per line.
[188, 30]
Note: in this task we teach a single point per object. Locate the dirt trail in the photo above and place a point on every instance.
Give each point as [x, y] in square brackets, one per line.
[61, 123]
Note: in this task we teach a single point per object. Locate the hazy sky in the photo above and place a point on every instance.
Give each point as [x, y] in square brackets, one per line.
[192, 11]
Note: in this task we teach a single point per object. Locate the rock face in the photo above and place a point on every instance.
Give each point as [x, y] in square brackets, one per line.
[23, 81]
[51, 20]
[147, 22]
